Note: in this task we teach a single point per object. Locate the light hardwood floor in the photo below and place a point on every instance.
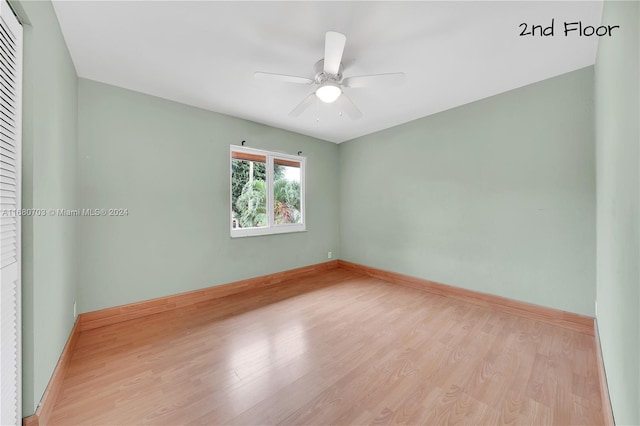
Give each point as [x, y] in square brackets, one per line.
[334, 348]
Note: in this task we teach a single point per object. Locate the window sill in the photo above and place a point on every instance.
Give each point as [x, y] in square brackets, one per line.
[254, 232]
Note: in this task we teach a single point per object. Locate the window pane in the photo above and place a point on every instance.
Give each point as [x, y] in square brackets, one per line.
[286, 192]
[248, 192]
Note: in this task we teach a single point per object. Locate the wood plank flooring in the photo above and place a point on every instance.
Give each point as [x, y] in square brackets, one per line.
[333, 348]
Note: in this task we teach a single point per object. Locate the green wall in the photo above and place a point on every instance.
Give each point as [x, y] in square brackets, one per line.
[617, 115]
[49, 181]
[168, 164]
[496, 196]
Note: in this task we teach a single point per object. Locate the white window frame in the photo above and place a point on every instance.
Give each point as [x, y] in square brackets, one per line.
[272, 227]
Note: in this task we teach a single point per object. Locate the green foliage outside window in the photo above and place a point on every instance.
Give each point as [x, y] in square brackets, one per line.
[286, 206]
[252, 205]
[248, 197]
[240, 177]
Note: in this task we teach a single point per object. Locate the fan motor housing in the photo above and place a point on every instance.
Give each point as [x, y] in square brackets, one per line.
[322, 77]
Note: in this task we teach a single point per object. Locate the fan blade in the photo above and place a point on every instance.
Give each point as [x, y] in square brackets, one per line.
[349, 107]
[302, 106]
[282, 78]
[377, 80]
[333, 49]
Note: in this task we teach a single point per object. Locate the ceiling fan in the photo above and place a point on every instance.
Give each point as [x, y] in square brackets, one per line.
[328, 76]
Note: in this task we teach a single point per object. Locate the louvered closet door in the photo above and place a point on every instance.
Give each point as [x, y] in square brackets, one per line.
[10, 149]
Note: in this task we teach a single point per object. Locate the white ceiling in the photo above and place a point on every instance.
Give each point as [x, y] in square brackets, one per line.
[204, 53]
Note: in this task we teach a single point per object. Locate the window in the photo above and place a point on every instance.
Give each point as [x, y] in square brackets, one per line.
[267, 192]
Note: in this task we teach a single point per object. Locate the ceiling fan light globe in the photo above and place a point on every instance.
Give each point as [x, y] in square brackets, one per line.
[328, 92]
